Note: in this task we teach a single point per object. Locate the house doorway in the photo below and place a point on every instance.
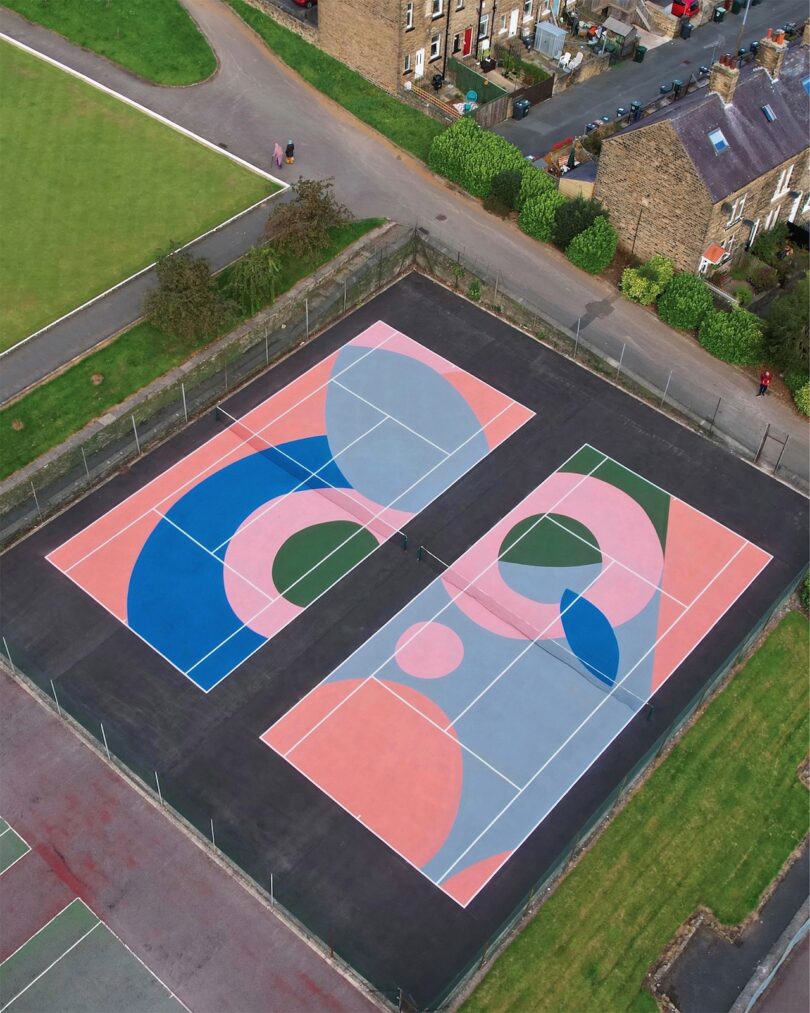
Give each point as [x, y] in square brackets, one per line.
[467, 42]
[419, 64]
[513, 23]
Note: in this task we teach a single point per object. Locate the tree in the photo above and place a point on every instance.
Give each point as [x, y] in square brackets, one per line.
[574, 217]
[644, 284]
[537, 215]
[252, 279]
[787, 332]
[734, 337]
[503, 192]
[594, 249]
[685, 302]
[303, 225]
[187, 303]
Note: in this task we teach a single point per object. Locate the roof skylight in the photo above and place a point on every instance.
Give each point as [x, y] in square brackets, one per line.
[718, 140]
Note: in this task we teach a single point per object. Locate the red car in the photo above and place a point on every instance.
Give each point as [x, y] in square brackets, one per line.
[306, 3]
[684, 8]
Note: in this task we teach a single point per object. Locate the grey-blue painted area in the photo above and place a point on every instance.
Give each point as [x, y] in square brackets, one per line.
[547, 583]
[347, 418]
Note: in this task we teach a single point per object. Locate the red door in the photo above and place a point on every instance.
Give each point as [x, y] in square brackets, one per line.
[467, 42]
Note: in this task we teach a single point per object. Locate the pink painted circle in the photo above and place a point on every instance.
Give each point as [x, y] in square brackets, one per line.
[429, 650]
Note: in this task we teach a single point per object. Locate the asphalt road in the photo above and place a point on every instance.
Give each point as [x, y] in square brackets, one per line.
[254, 99]
[567, 113]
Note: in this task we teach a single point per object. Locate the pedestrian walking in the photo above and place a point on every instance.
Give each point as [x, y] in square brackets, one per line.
[289, 152]
[278, 154]
[764, 382]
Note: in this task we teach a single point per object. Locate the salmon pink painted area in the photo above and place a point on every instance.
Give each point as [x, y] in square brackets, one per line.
[219, 553]
[457, 728]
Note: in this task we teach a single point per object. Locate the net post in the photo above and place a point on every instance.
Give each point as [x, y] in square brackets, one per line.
[104, 739]
[160, 793]
[420, 553]
[404, 542]
[56, 699]
[8, 655]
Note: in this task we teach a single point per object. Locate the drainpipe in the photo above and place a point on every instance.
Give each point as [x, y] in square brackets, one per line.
[446, 36]
[478, 28]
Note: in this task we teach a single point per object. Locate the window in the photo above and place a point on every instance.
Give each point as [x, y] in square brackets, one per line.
[438, 8]
[783, 183]
[409, 15]
[527, 9]
[459, 5]
[771, 219]
[435, 45]
[737, 209]
[718, 141]
[502, 24]
[770, 115]
[407, 68]
[753, 236]
[456, 43]
[728, 245]
[483, 26]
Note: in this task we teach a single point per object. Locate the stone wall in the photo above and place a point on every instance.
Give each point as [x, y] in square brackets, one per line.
[305, 29]
[590, 68]
[365, 35]
[663, 23]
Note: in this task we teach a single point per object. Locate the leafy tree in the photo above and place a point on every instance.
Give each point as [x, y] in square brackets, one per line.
[574, 217]
[537, 215]
[594, 249]
[734, 337]
[303, 225]
[187, 302]
[533, 183]
[787, 333]
[644, 284]
[685, 302]
[252, 279]
[503, 192]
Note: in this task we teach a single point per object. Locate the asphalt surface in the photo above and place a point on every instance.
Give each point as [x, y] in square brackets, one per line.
[254, 100]
[567, 113]
[789, 992]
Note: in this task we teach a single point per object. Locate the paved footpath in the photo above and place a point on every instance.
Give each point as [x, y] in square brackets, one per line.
[215, 945]
[254, 100]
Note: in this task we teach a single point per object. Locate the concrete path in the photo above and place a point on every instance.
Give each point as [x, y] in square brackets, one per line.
[255, 100]
[567, 113]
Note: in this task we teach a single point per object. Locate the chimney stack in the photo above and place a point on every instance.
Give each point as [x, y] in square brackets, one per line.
[724, 77]
[771, 52]
[806, 33]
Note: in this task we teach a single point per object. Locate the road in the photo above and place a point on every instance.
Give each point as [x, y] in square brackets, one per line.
[567, 113]
[254, 99]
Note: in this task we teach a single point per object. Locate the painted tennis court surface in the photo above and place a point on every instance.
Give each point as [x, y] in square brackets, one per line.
[214, 557]
[12, 846]
[455, 729]
[76, 962]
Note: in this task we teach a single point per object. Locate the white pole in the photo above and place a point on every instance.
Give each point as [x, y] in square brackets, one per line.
[56, 698]
[8, 655]
[213, 840]
[137, 441]
[185, 406]
[104, 736]
[84, 458]
[160, 794]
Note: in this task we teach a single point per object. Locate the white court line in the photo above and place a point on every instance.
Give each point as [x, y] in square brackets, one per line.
[209, 467]
[166, 122]
[17, 859]
[393, 418]
[5, 831]
[76, 900]
[51, 966]
[582, 725]
[143, 964]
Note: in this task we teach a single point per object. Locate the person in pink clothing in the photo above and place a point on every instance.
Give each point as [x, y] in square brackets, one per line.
[278, 154]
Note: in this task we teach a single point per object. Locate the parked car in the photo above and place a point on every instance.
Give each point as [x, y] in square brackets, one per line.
[682, 8]
[306, 3]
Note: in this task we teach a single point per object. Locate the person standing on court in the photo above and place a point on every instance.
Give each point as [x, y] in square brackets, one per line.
[277, 154]
[764, 382]
[289, 152]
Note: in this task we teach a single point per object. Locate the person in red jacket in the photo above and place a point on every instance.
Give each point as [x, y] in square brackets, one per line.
[764, 382]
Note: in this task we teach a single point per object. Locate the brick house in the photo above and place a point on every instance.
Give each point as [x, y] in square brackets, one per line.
[392, 42]
[697, 180]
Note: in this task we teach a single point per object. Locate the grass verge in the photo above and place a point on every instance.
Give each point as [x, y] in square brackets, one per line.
[91, 190]
[156, 39]
[56, 409]
[405, 126]
[713, 826]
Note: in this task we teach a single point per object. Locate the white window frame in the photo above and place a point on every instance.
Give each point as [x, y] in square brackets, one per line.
[409, 15]
[753, 236]
[728, 245]
[704, 265]
[718, 137]
[408, 66]
[771, 219]
[435, 46]
[737, 209]
[459, 5]
[503, 24]
[483, 28]
[458, 42]
[783, 183]
[437, 8]
[527, 9]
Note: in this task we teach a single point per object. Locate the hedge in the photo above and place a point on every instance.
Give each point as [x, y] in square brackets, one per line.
[644, 284]
[802, 399]
[734, 337]
[472, 157]
[595, 247]
[537, 215]
[685, 302]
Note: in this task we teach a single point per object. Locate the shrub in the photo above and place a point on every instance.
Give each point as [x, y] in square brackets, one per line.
[644, 284]
[534, 182]
[537, 215]
[795, 378]
[574, 217]
[802, 399]
[734, 337]
[472, 157]
[787, 332]
[760, 276]
[252, 279]
[474, 291]
[187, 303]
[804, 594]
[302, 226]
[744, 294]
[768, 244]
[685, 302]
[594, 249]
[505, 187]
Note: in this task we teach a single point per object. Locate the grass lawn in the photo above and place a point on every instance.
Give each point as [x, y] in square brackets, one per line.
[712, 826]
[154, 38]
[91, 189]
[60, 407]
[406, 126]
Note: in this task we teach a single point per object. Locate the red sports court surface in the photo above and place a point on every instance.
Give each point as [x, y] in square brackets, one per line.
[455, 729]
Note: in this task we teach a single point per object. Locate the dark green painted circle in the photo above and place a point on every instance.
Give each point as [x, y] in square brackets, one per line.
[312, 560]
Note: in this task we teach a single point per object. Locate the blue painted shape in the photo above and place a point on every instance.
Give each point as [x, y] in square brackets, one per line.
[590, 636]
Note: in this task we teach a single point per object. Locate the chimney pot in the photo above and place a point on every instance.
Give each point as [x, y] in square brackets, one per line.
[779, 37]
[770, 34]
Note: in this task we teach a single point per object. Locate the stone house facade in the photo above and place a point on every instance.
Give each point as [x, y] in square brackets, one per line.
[392, 42]
[698, 180]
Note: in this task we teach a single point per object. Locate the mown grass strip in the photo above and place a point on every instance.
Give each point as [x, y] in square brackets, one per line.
[404, 125]
[56, 409]
[712, 826]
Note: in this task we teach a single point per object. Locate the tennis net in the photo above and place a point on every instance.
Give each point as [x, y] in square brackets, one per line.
[529, 632]
[311, 480]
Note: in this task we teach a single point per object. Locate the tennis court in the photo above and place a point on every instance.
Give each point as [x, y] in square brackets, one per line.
[76, 962]
[12, 847]
[219, 553]
[454, 730]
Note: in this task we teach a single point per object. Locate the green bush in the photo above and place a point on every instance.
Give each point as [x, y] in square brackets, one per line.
[574, 217]
[594, 249]
[644, 284]
[504, 191]
[802, 399]
[537, 215]
[744, 294]
[795, 378]
[685, 302]
[768, 244]
[734, 337]
[474, 291]
[804, 594]
[787, 333]
[761, 276]
[534, 182]
[472, 157]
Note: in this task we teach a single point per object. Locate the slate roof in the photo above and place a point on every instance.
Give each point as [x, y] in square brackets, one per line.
[754, 145]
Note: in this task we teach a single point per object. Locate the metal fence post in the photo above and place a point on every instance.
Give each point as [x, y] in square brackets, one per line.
[36, 499]
[272, 890]
[137, 441]
[666, 390]
[266, 349]
[762, 445]
[497, 282]
[781, 452]
[576, 342]
[56, 699]
[213, 839]
[621, 360]
[8, 654]
[84, 458]
[104, 738]
[344, 294]
[306, 313]
[185, 405]
[160, 793]
[716, 410]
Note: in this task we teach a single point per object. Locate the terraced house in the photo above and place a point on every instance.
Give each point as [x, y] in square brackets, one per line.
[697, 180]
[392, 42]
